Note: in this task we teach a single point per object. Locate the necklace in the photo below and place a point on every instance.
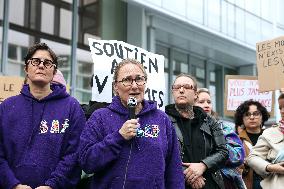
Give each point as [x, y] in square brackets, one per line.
[186, 112]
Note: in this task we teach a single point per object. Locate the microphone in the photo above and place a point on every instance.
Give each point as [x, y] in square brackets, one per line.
[131, 103]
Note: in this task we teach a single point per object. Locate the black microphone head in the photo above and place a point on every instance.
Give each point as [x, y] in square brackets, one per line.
[132, 102]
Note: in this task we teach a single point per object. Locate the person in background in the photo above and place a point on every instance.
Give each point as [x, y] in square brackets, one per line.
[40, 129]
[131, 149]
[202, 143]
[251, 115]
[232, 178]
[58, 78]
[86, 179]
[267, 156]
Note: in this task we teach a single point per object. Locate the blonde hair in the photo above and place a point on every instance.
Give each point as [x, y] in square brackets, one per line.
[205, 90]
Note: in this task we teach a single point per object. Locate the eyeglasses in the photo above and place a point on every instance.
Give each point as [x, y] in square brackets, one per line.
[46, 63]
[139, 80]
[254, 114]
[186, 86]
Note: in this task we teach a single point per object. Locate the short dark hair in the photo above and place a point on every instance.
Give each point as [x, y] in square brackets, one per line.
[40, 46]
[244, 107]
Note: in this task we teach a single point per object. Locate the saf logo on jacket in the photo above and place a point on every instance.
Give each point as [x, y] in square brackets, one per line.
[43, 127]
[65, 125]
[55, 126]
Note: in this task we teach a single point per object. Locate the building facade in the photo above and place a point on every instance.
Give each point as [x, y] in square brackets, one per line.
[206, 38]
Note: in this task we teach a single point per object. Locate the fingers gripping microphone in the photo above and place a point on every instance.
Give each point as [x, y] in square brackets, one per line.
[132, 103]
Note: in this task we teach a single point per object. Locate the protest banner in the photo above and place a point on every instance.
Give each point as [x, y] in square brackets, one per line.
[240, 88]
[270, 64]
[10, 86]
[106, 54]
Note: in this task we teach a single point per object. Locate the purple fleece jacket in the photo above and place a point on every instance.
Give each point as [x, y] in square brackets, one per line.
[39, 140]
[150, 160]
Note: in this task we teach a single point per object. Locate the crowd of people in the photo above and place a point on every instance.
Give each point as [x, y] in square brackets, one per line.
[49, 141]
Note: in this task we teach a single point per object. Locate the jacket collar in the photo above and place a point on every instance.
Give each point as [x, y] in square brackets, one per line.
[244, 136]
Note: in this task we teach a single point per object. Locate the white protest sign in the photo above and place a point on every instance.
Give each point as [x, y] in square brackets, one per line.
[242, 88]
[106, 54]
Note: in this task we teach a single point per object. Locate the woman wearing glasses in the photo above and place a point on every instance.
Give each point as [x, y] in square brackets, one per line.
[267, 156]
[40, 129]
[137, 151]
[251, 115]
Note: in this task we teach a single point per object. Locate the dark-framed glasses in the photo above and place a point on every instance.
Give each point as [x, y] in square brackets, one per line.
[185, 86]
[254, 114]
[46, 63]
[139, 80]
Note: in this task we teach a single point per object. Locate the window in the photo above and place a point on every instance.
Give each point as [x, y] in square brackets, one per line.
[65, 23]
[253, 33]
[180, 64]
[280, 12]
[240, 24]
[214, 14]
[16, 11]
[195, 10]
[47, 18]
[24, 51]
[12, 52]
[198, 69]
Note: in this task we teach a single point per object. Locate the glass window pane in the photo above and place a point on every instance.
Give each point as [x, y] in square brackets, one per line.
[224, 17]
[267, 30]
[195, 10]
[231, 20]
[16, 11]
[24, 51]
[162, 50]
[179, 59]
[177, 6]
[12, 52]
[89, 21]
[266, 8]
[280, 12]
[47, 18]
[279, 31]
[253, 6]
[253, 33]
[240, 24]
[65, 23]
[240, 3]
[214, 13]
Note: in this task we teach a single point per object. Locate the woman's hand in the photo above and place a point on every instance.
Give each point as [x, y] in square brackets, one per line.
[21, 186]
[199, 183]
[276, 168]
[193, 171]
[129, 129]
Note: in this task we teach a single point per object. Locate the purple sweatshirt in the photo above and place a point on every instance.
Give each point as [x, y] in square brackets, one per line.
[39, 140]
[150, 160]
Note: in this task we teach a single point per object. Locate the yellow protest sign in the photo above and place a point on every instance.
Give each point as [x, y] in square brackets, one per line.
[270, 64]
[10, 86]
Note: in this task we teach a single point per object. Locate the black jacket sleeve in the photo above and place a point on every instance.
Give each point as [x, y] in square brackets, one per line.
[219, 153]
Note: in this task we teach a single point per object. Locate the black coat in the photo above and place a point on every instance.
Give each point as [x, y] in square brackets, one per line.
[207, 131]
